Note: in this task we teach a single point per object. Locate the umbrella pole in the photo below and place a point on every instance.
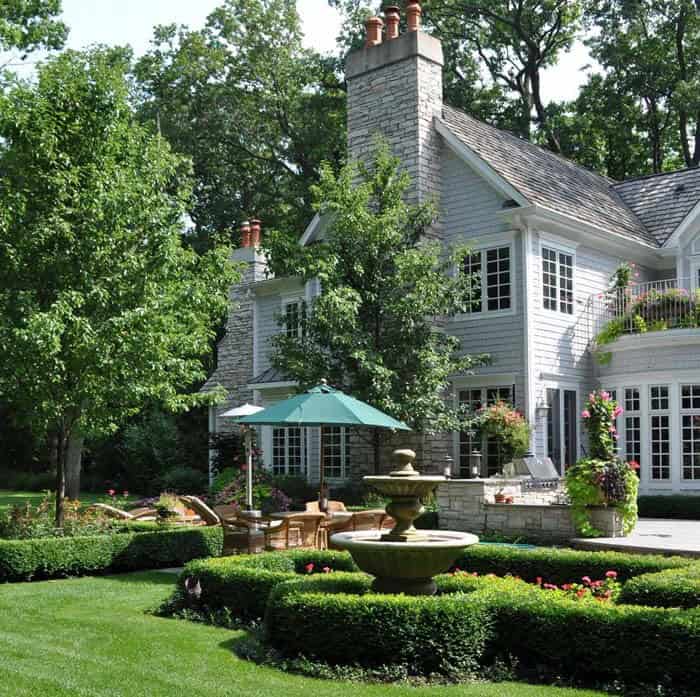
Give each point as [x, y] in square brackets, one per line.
[322, 498]
[249, 469]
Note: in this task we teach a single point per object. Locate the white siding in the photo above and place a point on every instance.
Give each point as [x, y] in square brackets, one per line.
[471, 214]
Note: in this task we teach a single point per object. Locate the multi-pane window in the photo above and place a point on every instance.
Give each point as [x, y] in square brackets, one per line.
[660, 424]
[335, 449]
[690, 431]
[491, 289]
[288, 451]
[295, 318]
[557, 281]
[472, 268]
[493, 458]
[632, 399]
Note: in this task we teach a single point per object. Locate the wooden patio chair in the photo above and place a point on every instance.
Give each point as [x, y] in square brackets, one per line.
[367, 520]
[206, 514]
[119, 514]
[333, 507]
[309, 526]
[227, 511]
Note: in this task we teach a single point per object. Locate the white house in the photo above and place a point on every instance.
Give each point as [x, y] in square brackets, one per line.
[547, 235]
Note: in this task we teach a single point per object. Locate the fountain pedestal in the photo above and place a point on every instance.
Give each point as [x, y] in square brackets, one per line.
[404, 560]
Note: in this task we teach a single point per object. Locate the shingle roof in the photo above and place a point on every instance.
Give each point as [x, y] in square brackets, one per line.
[269, 375]
[662, 201]
[545, 178]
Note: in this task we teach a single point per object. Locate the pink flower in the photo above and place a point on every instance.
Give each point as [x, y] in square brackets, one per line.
[612, 429]
[585, 414]
[538, 580]
[326, 569]
[611, 574]
[617, 411]
[125, 493]
[586, 580]
[309, 567]
[605, 396]
[633, 464]
[111, 492]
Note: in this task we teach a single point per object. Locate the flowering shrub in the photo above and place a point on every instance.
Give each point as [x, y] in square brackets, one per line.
[27, 521]
[603, 479]
[508, 426]
[266, 496]
[604, 589]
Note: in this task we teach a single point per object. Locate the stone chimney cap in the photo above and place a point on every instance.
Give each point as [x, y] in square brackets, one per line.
[373, 27]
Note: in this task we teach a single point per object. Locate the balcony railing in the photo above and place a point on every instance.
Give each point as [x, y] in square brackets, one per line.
[646, 307]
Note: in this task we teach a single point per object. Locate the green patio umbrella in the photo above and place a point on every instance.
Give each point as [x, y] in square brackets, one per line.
[322, 406]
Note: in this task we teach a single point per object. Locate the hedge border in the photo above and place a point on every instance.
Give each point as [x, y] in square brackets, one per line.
[332, 620]
[51, 557]
[670, 588]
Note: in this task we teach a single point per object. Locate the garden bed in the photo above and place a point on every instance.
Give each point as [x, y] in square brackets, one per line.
[315, 605]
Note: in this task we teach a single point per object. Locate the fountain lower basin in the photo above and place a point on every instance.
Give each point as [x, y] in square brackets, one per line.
[404, 567]
[405, 559]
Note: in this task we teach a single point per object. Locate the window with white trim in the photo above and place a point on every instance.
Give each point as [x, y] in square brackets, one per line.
[633, 425]
[289, 451]
[335, 452]
[557, 280]
[492, 456]
[295, 318]
[660, 432]
[690, 432]
[491, 281]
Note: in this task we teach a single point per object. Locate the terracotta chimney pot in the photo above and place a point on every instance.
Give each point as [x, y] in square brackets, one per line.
[392, 15]
[255, 233]
[373, 27]
[413, 13]
[245, 234]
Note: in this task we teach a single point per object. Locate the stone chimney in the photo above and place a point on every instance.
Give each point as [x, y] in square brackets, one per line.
[249, 253]
[395, 89]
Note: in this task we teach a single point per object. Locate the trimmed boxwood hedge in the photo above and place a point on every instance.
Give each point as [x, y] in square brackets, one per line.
[335, 619]
[678, 507]
[670, 588]
[49, 557]
[242, 584]
[561, 565]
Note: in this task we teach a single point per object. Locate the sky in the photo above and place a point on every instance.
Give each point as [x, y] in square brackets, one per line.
[132, 21]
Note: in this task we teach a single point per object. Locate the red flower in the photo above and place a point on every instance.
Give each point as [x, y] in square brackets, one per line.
[309, 567]
[538, 580]
[634, 464]
[580, 593]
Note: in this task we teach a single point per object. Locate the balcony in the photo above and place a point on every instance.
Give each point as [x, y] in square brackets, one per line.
[645, 307]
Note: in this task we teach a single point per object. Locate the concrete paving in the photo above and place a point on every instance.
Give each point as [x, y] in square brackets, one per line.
[652, 536]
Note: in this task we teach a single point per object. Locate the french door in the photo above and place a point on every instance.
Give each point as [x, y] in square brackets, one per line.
[562, 427]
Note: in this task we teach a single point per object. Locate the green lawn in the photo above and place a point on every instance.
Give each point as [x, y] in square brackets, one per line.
[90, 636]
[14, 498]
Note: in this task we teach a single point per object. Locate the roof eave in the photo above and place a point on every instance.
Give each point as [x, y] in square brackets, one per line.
[584, 232]
[678, 237]
[477, 163]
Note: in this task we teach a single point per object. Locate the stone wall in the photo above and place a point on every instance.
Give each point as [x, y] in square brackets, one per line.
[468, 505]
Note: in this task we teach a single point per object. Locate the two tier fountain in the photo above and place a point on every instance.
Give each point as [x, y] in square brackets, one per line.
[405, 559]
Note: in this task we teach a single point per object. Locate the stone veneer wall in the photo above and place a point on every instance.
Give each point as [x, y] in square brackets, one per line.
[468, 505]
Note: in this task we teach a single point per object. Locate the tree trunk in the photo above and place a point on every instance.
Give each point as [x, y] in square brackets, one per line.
[60, 477]
[74, 458]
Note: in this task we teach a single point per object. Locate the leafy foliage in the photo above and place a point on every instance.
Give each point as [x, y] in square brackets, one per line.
[102, 307]
[508, 426]
[373, 329]
[255, 111]
[27, 25]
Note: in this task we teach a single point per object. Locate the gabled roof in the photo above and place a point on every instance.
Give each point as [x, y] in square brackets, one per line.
[662, 201]
[547, 179]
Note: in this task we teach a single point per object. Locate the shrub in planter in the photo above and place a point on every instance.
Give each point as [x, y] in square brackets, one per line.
[682, 507]
[670, 588]
[508, 427]
[602, 479]
[334, 619]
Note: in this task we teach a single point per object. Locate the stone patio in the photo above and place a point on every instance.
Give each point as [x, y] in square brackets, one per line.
[652, 536]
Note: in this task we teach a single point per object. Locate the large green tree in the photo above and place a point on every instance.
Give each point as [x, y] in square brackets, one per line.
[376, 327]
[26, 25]
[650, 51]
[255, 111]
[102, 307]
